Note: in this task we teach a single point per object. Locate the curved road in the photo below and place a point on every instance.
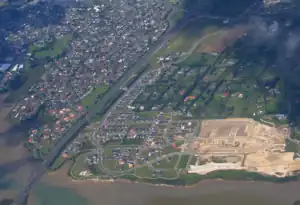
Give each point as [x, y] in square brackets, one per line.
[117, 88]
[101, 105]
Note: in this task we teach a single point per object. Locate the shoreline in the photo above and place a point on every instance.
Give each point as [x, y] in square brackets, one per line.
[174, 186]
[140, 181]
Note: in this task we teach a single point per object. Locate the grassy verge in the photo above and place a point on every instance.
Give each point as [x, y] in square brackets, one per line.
[59, 162]
[183, 161]
[191, 179]
[94, 95]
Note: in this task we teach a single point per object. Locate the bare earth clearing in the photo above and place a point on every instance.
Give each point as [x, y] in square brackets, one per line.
[257, 147]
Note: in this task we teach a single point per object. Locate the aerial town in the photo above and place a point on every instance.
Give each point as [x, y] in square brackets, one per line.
[170, 115]
[113, 43]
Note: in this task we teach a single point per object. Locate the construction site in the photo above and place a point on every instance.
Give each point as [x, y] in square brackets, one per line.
[242, 143]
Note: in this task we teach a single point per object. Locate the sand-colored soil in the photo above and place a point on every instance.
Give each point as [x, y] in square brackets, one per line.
[262, 146]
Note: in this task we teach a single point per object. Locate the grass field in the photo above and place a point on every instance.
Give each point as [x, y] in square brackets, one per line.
[94, 95]
[193, 160]
[144, 172]
[167, 163]
[168, 150]
[169, 174]
[56, 49]
[147, 114]
[221, 39]
[107, 152]
[188, 37]
[79, 165]
[198, 59]
[183, 161]
[110, 164]
[57, 163]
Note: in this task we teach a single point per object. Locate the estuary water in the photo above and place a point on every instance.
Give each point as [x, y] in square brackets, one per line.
[209, 192]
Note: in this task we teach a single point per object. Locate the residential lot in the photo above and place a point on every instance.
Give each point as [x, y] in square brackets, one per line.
[154, 130]
[83, 56]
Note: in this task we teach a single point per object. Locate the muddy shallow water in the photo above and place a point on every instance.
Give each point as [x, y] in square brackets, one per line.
[15, 167]
[210, 192]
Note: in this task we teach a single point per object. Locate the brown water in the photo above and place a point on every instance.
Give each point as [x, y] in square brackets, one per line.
[15, 167]
[210, 192]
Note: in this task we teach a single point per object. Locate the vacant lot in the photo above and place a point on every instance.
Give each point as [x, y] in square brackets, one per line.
[238, 136]
[168, 163]
[190, 35]
[273, 163]
[217, 42]
[94, 95]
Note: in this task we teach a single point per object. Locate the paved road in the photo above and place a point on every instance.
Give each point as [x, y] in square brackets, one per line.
[101, 105]
[149, 163]
[106, 100]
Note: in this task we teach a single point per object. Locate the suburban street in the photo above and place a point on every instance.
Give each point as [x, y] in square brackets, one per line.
[105, 100]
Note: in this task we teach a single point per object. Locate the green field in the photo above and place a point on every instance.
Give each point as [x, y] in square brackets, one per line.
[144, 172]
[188, 36]
[193, 160]
[58, 163]
[183, 161]
[110, 164]
[55, 49]
[79, 165]
[169, 174]
[198, 59]
[167, 163]
[147, 114]
[94, 95]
